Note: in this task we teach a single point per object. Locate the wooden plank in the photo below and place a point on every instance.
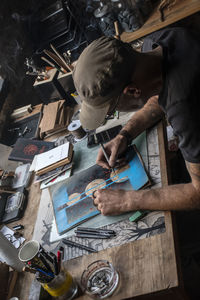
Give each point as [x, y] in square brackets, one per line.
[12, 283]
[25, 279]
[146, 266]
[49, 116]
[35, 110]
[182, 9]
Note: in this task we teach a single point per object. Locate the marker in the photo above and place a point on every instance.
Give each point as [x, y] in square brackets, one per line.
[47, 266]
[55, 264]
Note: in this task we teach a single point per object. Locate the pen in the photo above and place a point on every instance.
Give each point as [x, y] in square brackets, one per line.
[95, 233]
[41, 278]
[46, 255]
[106, 156]
[45, 273]
[73, 244]
[47, 266]
[55, 265]
[39, 269]
[55, 176]
[92, 236]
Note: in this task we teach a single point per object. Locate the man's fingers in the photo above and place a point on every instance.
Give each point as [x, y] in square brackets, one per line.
[101, 161]
[113, 157]
[95, 197]
[103, 164]
[94, 194]
[121, 162]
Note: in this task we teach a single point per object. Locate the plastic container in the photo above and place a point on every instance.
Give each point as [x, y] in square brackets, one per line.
[14, 202]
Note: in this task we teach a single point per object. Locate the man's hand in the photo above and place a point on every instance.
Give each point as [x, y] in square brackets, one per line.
[112, 202]
[113, 149]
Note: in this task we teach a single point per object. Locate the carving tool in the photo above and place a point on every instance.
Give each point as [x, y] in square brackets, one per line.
[96, 230]
[45, 263]
[73, 244]
[106, 156]
[46, 255]
[84, 232]
[81, 234]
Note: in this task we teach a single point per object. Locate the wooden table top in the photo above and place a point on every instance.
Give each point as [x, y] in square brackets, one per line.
[145, 266]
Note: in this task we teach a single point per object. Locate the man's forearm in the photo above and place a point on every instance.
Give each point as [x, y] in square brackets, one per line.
[173, 197]
[144, 118]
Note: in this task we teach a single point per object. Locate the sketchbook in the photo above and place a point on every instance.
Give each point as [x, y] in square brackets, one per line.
[54, 158]
[72, 199]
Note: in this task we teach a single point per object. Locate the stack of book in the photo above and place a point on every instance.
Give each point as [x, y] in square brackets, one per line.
[54, 165]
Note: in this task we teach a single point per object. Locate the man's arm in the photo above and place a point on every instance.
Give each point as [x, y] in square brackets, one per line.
[173, 197]
[141, 120]
[144, 118]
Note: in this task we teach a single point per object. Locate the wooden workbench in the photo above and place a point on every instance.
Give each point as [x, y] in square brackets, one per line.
[146, 266]
[181, 9]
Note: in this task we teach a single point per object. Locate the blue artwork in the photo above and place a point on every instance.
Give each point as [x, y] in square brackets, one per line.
[72, 201]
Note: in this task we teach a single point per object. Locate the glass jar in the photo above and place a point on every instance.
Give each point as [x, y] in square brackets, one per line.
[100, 279]
[63, 286]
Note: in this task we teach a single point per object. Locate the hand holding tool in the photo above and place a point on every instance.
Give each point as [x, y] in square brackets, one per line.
[106, 156]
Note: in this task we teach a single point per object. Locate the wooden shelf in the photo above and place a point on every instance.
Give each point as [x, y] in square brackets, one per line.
[182, 9]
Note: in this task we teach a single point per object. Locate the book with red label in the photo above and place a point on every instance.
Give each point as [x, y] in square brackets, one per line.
[25, 149]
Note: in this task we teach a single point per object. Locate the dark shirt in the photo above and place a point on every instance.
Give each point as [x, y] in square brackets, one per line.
[180, 95]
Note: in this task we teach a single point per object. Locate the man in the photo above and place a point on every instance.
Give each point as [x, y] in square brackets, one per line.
[107, 70]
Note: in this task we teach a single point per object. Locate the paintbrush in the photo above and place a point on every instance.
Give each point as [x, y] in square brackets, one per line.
[106, 156]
